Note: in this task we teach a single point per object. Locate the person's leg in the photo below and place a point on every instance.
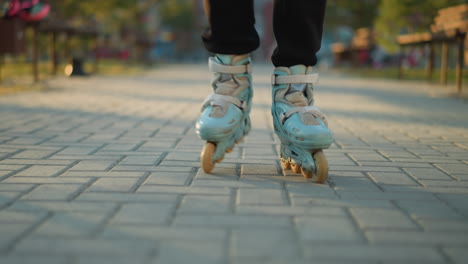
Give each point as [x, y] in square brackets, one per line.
[298, 27]
[301, 127]
[224, 120]
[231, 27]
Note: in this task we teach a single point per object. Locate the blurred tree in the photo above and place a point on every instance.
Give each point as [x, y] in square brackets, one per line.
[406, 16]
[354, 14]
[111, 13]
[177, 14]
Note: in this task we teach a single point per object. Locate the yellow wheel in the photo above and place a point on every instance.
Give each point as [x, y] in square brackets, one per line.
[307, 173]
[295, 168]
[322, 166]
[285, 164]
[220, 159]
[207, 157]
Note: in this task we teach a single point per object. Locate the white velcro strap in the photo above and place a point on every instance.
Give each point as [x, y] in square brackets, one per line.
[306, 109]
[295, 79]
[230, 69]
[215, 99]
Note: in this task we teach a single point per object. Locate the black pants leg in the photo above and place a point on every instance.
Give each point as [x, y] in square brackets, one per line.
[231, 28]
[297, 26]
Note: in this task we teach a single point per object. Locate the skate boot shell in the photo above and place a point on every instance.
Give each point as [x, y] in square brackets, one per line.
[225, 120]
[301, 127]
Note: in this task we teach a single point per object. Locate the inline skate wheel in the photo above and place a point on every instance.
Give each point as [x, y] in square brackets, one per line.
[295, 168]
[307, 173]
[321, 166]
[285, 164]
[207, 157]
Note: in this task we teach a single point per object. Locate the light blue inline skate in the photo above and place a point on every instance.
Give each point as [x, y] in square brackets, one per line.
[301, 127]
[224, 120]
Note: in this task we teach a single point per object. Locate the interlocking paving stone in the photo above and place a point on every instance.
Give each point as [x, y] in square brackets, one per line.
[144, 214]
[158, 233]
[94, 172]
[39, 170]
[266, 243]
[169, 178]
[70, 224]
[326, 229]
[260, 197]
[417, 237]
[391, 253]
[178, 252]
[113, 185]
[52, 192]
[458, 255]
[369, 218]
[37, 259]
[205, 204]
[241, 221]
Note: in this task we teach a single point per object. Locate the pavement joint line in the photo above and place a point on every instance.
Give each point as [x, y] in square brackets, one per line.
[279, 168]
[11, 154]
[62, 171]
[21, 194]
[154, 133]
[228, 246]
[233, 195]
[356, 162]
[355, 224]
[90, 134]
[175, 210]
[161, 158]
[297, 237]
[115, 163]
[443, 171]
[369, 176]
[106, 221]
[96, 150]
[137, 146]
[53, 153]
[409, 175]
[445, 256]
[81, 189]
[176, 142]
[119, 136]
[450, 206]
[407, 214]
[384, 156]
[12, 173]
[285, 194]
[25, 233]
[140, 182]
[45, 140]
[193, 173]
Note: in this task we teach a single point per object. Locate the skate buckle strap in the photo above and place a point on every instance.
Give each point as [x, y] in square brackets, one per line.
[305, 109]
[219, 99]
[230, 69]
[295, 79]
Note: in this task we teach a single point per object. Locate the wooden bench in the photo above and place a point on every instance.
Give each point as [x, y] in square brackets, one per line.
[450, 26]
[363, 41]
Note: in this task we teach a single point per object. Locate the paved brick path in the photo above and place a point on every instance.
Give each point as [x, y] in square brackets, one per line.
[106, 170]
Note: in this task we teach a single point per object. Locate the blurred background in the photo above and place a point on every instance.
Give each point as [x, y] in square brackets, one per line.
[121, 36]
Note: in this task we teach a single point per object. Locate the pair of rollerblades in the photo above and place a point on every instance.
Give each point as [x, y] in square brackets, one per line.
[301, 127]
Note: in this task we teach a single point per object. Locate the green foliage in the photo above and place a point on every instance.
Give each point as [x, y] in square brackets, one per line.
[406, 16]
[111, 13]
[177, 14]
[354, 14]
